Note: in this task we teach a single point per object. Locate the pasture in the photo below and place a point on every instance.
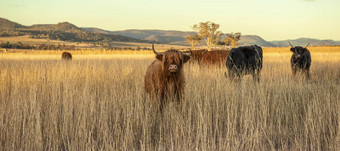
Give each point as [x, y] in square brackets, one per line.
[97, 102]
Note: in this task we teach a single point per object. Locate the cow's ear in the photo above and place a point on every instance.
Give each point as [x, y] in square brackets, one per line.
[159, 57]
[292, 49]
[186, 58]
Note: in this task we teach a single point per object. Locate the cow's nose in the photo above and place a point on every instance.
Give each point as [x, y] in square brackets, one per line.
[173, 67]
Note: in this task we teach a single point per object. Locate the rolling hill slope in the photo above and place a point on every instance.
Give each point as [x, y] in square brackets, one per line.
[161, 36]
[254, 39]
[63, 31]
[305, 41]
[178, 38]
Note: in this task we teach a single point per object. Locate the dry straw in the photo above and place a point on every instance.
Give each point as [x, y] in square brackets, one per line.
[97, 102]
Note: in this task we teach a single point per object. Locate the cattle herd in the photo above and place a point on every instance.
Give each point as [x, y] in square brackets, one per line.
[164, 80]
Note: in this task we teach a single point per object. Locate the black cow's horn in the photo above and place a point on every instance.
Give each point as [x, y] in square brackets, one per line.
[153, 48]
[290, 44]
[307, 45]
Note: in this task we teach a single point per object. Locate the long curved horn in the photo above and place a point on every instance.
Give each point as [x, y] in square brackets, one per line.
[188, 53]
[153, 48]
[290, 44]
[307, 45]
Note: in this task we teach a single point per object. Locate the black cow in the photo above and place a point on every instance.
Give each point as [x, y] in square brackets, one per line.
[300, 60]
[245, 60]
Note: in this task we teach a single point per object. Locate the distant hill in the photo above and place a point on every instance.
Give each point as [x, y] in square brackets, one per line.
[178, 38]
[65, 31]
[305, 41]
[165, 39]
[6, 24]
[161, 36]
[62, 31]
[254, 39]
[97, 30]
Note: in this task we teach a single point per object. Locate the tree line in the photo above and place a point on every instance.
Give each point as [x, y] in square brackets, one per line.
[20, 45]
[101, 46]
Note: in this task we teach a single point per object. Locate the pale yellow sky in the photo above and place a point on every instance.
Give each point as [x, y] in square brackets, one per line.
[270, 19]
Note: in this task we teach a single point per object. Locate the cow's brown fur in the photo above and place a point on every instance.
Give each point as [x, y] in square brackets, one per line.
[197, 55]
[163, 85]
[66, 56]
[215, 57]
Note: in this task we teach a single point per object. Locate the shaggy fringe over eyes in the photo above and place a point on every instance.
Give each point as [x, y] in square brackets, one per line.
[172, 56]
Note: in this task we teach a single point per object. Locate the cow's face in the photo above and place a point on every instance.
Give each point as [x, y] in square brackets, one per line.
[298, 51]
[172, 60]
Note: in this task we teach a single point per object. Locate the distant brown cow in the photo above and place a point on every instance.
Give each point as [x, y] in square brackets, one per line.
[66, 56]
[215, 57]
[164, 78]
[197, 55]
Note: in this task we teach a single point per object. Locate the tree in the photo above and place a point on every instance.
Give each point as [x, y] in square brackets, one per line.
[209, 32]
[193, 40]
[232, 39]
[217, 41]
[225, 41]
[222, 44]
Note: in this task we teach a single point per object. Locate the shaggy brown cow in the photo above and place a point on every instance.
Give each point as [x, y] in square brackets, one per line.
[66, 56]
[215, 57]
[197, 55]
[164, 78]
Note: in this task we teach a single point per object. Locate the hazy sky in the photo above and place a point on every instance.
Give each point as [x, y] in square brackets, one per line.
[270, 19]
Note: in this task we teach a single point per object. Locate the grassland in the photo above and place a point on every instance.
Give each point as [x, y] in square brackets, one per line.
[97, 102]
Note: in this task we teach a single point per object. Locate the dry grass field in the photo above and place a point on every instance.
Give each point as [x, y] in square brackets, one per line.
[97, 102]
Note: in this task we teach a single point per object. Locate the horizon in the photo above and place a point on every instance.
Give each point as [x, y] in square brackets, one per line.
[170, 30]
[273, 21]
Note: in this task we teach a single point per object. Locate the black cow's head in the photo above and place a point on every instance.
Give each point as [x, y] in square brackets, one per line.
[298, 51]
[172, 60]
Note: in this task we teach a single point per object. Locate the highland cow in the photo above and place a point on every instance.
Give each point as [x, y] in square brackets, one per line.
[215, 57]
[196, 55]
[66, 56]
[164, 78]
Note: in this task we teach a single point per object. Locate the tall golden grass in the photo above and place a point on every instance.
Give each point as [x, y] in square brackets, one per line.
[97, 102]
